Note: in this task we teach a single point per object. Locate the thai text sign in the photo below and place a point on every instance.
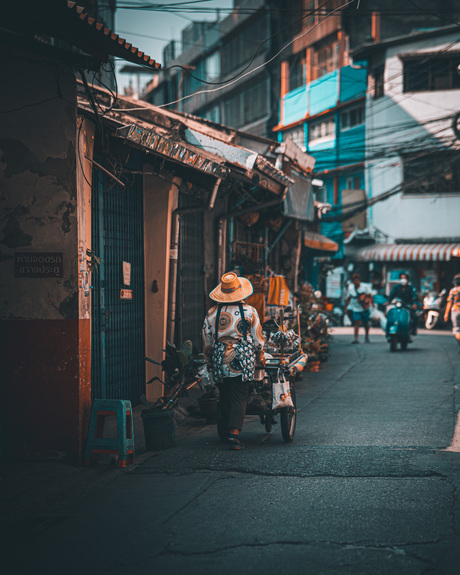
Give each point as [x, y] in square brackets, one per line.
[38, 265]
[126, 294]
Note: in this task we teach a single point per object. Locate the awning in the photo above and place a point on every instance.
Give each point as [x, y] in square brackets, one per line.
[316, 241]
[176, 151]
[410, 253]
[298, 203]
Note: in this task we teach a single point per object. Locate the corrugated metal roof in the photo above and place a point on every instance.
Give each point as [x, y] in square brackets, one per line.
[29, 21]
[103, 39]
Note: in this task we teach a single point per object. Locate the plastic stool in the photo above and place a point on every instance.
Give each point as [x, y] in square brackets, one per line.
[123, 444]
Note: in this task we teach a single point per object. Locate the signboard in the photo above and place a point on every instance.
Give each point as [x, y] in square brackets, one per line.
[38, 265]
[126, 294]
[334, 286]
[126, 273]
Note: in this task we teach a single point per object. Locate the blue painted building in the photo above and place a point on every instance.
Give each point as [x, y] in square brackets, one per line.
[326, 118]
[323, 106]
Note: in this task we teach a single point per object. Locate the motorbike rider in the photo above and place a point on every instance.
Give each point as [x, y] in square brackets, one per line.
[359, 299]
[453, 307]
[407, 293]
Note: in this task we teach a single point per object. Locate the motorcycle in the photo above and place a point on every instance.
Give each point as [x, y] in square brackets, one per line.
[434, 306]
[398, 326]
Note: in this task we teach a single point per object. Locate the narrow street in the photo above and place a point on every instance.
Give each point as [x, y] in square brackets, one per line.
[367, 486]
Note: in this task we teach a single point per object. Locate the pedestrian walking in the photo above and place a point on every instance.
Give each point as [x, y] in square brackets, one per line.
[407, 293]
[359, 300]
[453, 307]
[233, 341]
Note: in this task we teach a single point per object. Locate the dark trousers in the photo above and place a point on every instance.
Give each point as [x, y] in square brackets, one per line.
[233, 400]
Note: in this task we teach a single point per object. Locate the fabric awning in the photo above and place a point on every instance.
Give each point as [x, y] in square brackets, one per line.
[410, 253]
[299, 202]
[316, 241]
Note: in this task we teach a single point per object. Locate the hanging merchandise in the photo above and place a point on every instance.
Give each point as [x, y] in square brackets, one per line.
[278, 293]
[281, 391]
[257, 299]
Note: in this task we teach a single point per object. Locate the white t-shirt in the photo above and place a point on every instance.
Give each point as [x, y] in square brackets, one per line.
[354, 304]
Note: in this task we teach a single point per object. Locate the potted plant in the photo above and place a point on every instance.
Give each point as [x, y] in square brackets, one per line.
[181, 370]
[313, 328]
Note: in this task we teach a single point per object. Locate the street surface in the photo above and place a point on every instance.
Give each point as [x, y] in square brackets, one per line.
[369, 486]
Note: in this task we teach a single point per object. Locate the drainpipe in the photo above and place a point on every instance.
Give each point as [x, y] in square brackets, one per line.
[173, 264]
[208, 207]
[230, 241]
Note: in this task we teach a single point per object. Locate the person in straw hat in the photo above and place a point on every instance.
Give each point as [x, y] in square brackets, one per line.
[233, 341]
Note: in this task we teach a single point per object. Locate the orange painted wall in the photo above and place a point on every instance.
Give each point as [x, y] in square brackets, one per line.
[44, 407]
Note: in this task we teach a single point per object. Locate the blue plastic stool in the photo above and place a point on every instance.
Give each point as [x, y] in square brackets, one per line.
[123, 444]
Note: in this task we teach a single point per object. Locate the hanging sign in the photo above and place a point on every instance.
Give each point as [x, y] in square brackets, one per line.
[334, 286]
[126, 273]
[126, 294]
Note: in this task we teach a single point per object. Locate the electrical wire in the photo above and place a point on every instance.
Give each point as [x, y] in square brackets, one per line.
[358, 207]
[250, 72]
[253, 56]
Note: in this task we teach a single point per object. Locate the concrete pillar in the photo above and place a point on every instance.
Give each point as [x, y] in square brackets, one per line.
[160, 199]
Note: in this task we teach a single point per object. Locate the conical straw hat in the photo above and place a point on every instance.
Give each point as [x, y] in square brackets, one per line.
[231, 289]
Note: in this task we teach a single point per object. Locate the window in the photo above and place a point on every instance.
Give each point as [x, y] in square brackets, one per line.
[316, 10]
[297, 135]
[430, 73]
[246, 107]
[351, 118]
[233, 111]
[326, 59]
[309, 9]
[353, 183]
[435, 173]
[321, 130]
[242, 47]
[379, 82]
[212, 114]
[255, 102]
[212, 66]
[297, 75]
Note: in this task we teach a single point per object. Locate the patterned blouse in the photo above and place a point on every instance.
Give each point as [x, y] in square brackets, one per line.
[454, 297]
[228, 359]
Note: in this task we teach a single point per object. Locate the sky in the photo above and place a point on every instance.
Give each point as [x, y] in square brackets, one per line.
[150, 30]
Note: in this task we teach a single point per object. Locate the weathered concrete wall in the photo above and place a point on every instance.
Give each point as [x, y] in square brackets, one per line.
[38, 190]
[160, 199]
[38, 214]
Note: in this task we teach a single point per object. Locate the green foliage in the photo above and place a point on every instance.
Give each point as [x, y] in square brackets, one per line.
[181, 364]
[313, 325]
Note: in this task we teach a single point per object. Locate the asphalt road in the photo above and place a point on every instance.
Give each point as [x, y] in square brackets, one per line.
[368, 486]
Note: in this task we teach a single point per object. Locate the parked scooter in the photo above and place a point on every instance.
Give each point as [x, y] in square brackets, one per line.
[434, 306]
[398, 326]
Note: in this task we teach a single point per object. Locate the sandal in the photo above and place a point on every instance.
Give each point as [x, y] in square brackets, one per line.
[234, 443]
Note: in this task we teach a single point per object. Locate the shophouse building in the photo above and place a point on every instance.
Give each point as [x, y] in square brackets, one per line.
[323, 106]
[227, 71]
[413, 156]
[106, 208]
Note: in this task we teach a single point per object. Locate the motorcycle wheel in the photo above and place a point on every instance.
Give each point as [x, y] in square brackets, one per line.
[431, 321]
[403, 345]
[268, 423]
[393, 343]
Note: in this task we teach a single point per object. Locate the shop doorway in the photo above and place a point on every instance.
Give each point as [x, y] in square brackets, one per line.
[118, 322]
